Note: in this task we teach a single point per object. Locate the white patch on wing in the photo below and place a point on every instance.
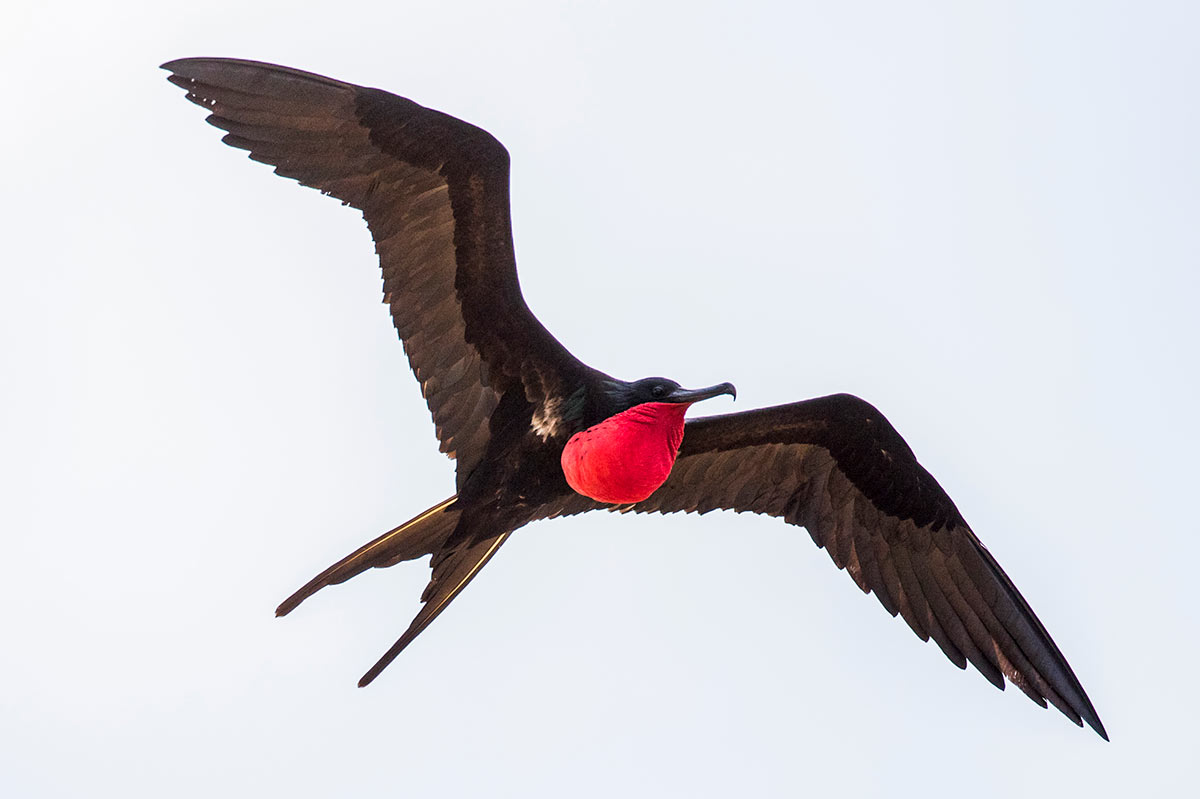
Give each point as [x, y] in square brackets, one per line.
[547, 421]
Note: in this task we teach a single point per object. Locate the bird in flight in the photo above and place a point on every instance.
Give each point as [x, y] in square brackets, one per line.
[537, 434]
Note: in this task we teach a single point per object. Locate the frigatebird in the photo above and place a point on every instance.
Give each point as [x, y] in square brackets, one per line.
[537, 434]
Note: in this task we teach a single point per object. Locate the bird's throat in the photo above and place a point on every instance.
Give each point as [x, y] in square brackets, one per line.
[627, 456]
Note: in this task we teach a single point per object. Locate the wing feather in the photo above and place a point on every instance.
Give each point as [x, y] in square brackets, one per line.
[837, 467]
[434, 192]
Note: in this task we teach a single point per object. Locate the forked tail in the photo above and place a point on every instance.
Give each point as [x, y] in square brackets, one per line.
[421, 535]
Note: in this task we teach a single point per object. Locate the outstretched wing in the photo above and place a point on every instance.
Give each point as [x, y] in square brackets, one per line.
[837, 467]
[434, 192]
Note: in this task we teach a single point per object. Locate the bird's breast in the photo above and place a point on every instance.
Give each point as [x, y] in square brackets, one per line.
[627, 456]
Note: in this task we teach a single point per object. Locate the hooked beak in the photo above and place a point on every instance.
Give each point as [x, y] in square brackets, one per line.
[696, 395]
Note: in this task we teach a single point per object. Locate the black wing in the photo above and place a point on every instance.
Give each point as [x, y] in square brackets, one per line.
[434, 192]
[837, 467]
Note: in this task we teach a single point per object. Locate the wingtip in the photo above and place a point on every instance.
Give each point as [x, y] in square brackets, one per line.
[178, 65]
[1088, 718]
[1087, 715]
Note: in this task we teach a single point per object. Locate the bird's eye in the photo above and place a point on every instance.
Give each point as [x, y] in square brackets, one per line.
[658, 391]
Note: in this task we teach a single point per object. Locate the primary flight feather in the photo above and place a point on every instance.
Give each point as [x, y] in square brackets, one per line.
[536, 433]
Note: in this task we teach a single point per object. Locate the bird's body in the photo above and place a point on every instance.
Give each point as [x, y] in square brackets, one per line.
[537, 434]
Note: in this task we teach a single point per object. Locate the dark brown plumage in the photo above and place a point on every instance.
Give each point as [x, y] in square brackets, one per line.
[506, 397]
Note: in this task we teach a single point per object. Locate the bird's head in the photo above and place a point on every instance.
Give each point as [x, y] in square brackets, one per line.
[661, 389]
[633, 438]
[617, 396]
[605, 397]
[610, 396]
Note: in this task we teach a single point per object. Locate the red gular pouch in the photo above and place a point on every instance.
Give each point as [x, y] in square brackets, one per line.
[627, 456]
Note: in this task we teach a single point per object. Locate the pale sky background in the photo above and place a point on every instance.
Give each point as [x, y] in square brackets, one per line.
[982, 218]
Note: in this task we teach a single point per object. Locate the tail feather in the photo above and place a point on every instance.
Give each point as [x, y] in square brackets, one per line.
[453, 568]
[419, 536]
